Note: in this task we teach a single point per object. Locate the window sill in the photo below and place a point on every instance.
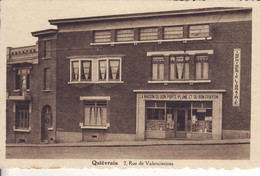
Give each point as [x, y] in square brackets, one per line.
[94, 127]
[184, 40]
[179, 82]
[47, 90]
[98, 82]
[50, 129]
[46, 58]
[26, 130]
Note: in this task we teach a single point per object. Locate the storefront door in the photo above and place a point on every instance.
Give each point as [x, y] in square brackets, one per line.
[181, 118]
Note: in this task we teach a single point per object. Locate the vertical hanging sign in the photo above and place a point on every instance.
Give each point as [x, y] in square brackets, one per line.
[236, 76]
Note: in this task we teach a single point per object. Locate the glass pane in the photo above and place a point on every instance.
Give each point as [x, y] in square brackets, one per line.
[114, 69]
[125, 35]
[149, 34]
[161, 71]
[205, 70]
[102, 36]
[199, 31]
[155, 114]
[180, 70]
[87, 116]
[181, 120]
[104, 116]
[172, 71]
[102, 70]
[173, 32]
[198, 70]
[187, 71]
[86, 70]
[75, 71]
[155, 71]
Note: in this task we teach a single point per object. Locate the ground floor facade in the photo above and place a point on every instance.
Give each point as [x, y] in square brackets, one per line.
[160, 114]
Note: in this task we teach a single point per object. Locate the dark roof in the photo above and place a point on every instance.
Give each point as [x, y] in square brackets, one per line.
[44, 32]
[149, 14]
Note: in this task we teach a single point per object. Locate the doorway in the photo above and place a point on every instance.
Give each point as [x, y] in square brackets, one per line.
[46, 122]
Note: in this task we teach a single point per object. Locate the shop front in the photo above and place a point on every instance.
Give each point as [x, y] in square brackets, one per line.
[181, 114]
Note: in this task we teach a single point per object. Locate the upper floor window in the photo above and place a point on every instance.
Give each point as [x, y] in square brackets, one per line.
[149, 33]
[102, 36]
[173, 32]
[197, 31]
[47, 79]
[47, 49]
[124, 35]
[179, 67]
[96, 70]
[158, 68]
[22, 79]
[202, 67]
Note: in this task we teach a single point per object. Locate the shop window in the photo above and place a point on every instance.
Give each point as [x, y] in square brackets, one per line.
[124, 35]
[47, 49]
[179, 67]
[95, 70]
[155, 115]
[172, 32]
[197, 31]
[22, 79]
[201, 117]
[47, 79]
[202, 67]
[158, 68]
[22, 116]
[149, 33]
[102, 36]
[95, 113]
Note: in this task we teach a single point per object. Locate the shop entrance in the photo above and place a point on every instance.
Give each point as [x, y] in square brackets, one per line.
[167, 119]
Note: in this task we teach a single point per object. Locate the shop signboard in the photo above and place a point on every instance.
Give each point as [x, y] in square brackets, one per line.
[236, 76]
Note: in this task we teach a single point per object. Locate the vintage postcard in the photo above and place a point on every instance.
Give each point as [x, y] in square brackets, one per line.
[120, 84]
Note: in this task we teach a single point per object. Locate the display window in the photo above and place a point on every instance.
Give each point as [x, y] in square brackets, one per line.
[176, 119]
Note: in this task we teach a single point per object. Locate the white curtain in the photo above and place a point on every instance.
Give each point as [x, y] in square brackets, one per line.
[103, 69]
[75, 66]
[180, 70]
[114, 68]
[86, 69]
[155, 70]
[87, 116]
[161, 71]
[205, 70]
[92, 116]
[173, 71]
[98, 116]
[187, 71]
[198, 70]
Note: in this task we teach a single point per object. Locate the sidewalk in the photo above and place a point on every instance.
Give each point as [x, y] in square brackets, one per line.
[137, 143]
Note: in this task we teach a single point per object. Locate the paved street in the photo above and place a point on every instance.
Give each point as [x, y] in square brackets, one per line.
[223, 152]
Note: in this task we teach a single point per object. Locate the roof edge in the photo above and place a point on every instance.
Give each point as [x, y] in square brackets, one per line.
[149, 14]
[44, 32]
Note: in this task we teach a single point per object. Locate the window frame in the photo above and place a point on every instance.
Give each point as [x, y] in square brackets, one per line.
[19, 71]
[96, 104]
[47, 79]
[26, 122]
[145, 36]
[95, 70]
[176, 69]
[47, 53]
[203, 36]
[132, 34]
[158, 68]
[102, 40]
[164, 32]
[202, 67]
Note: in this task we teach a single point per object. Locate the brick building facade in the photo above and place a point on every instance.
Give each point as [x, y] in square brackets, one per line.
[174, 74]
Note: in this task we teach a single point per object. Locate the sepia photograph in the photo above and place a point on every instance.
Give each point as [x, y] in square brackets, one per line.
[136, 85]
